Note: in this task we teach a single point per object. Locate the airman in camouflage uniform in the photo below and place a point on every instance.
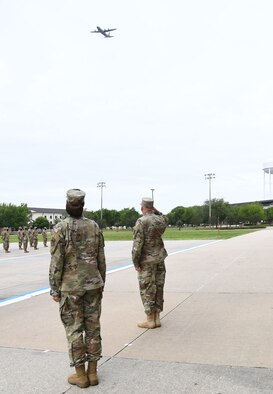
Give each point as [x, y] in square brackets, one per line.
[35, 238]
[44, 235]
[148, 256]
[77, 277]
[5, 239]
[20, 237]
[25, 239]
[30, 236]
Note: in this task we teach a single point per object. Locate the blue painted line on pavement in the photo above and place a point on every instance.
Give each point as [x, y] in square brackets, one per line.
[22, 297]
[25, 296]
[123, 267]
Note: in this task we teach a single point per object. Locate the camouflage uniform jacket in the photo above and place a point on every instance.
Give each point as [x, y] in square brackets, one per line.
[148, 245]
[5, 235]
[77, 256]
[44, 234]
[25, 235]
[35, 234]
[20, 234]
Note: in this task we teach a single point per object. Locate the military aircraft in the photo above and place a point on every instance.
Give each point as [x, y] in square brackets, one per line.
[104, 32]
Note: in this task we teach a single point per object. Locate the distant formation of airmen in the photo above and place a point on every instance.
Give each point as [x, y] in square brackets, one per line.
[25, 236]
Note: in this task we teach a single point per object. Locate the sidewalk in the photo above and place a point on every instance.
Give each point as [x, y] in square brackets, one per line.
[216, 335]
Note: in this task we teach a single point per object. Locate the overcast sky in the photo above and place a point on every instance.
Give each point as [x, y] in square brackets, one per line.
[184, 88]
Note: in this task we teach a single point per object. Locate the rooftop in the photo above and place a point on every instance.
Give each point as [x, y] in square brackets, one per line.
[47, 210]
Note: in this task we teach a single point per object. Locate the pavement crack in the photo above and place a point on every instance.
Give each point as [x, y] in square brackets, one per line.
[124, 347]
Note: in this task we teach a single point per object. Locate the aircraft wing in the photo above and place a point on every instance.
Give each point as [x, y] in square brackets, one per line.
[107, 30]
[95, 31]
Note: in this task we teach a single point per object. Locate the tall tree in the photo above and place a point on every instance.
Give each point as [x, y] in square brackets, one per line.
[41, 222]
[252, 213]
[175, 217]
[14, 216]
[269, 215]
[219, 210]
[128, 217]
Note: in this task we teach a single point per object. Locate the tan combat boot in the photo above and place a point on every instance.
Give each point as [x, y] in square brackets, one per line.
[92, 373]
[79, 378]
[149, 323]
[157, 319]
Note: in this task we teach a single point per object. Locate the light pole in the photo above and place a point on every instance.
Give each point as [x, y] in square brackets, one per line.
[209, 176]
[101, 185]
[153, 193]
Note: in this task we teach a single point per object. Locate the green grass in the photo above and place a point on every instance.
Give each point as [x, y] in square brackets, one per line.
[193, 233]
[175, 234]
[14, 238]
[170, 234]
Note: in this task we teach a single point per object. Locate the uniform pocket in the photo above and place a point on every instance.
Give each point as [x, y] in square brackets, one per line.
[66, 311]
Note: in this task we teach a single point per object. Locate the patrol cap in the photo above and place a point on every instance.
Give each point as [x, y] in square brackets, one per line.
[147, 202]
[75, 196]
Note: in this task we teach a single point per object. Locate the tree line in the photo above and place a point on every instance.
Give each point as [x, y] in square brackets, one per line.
[13, 216]
[222, 213]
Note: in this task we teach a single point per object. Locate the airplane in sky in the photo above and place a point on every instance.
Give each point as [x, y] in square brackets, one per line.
[105, 32]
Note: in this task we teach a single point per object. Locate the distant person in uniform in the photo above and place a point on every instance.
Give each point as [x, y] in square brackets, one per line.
[25, 239]
[35, 238]
[5, 239]
[148, 254]
[77, 277]
[30, 236]
[44, 235]
[20, 237]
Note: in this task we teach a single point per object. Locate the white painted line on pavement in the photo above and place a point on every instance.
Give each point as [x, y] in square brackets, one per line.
[194, 247]
[5, 260]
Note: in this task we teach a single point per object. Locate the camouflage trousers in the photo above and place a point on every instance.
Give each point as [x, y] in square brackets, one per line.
[80, 314]
[6, 245]
[25, 243]
[151, 281]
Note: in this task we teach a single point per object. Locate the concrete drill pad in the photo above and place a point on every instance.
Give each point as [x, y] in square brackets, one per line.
[239, 265]
[36, 372]
[121, 312]
[233, 328]
[35, 323]
[224, 329]
[32, 324]
[120, 376]
[25, 371]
